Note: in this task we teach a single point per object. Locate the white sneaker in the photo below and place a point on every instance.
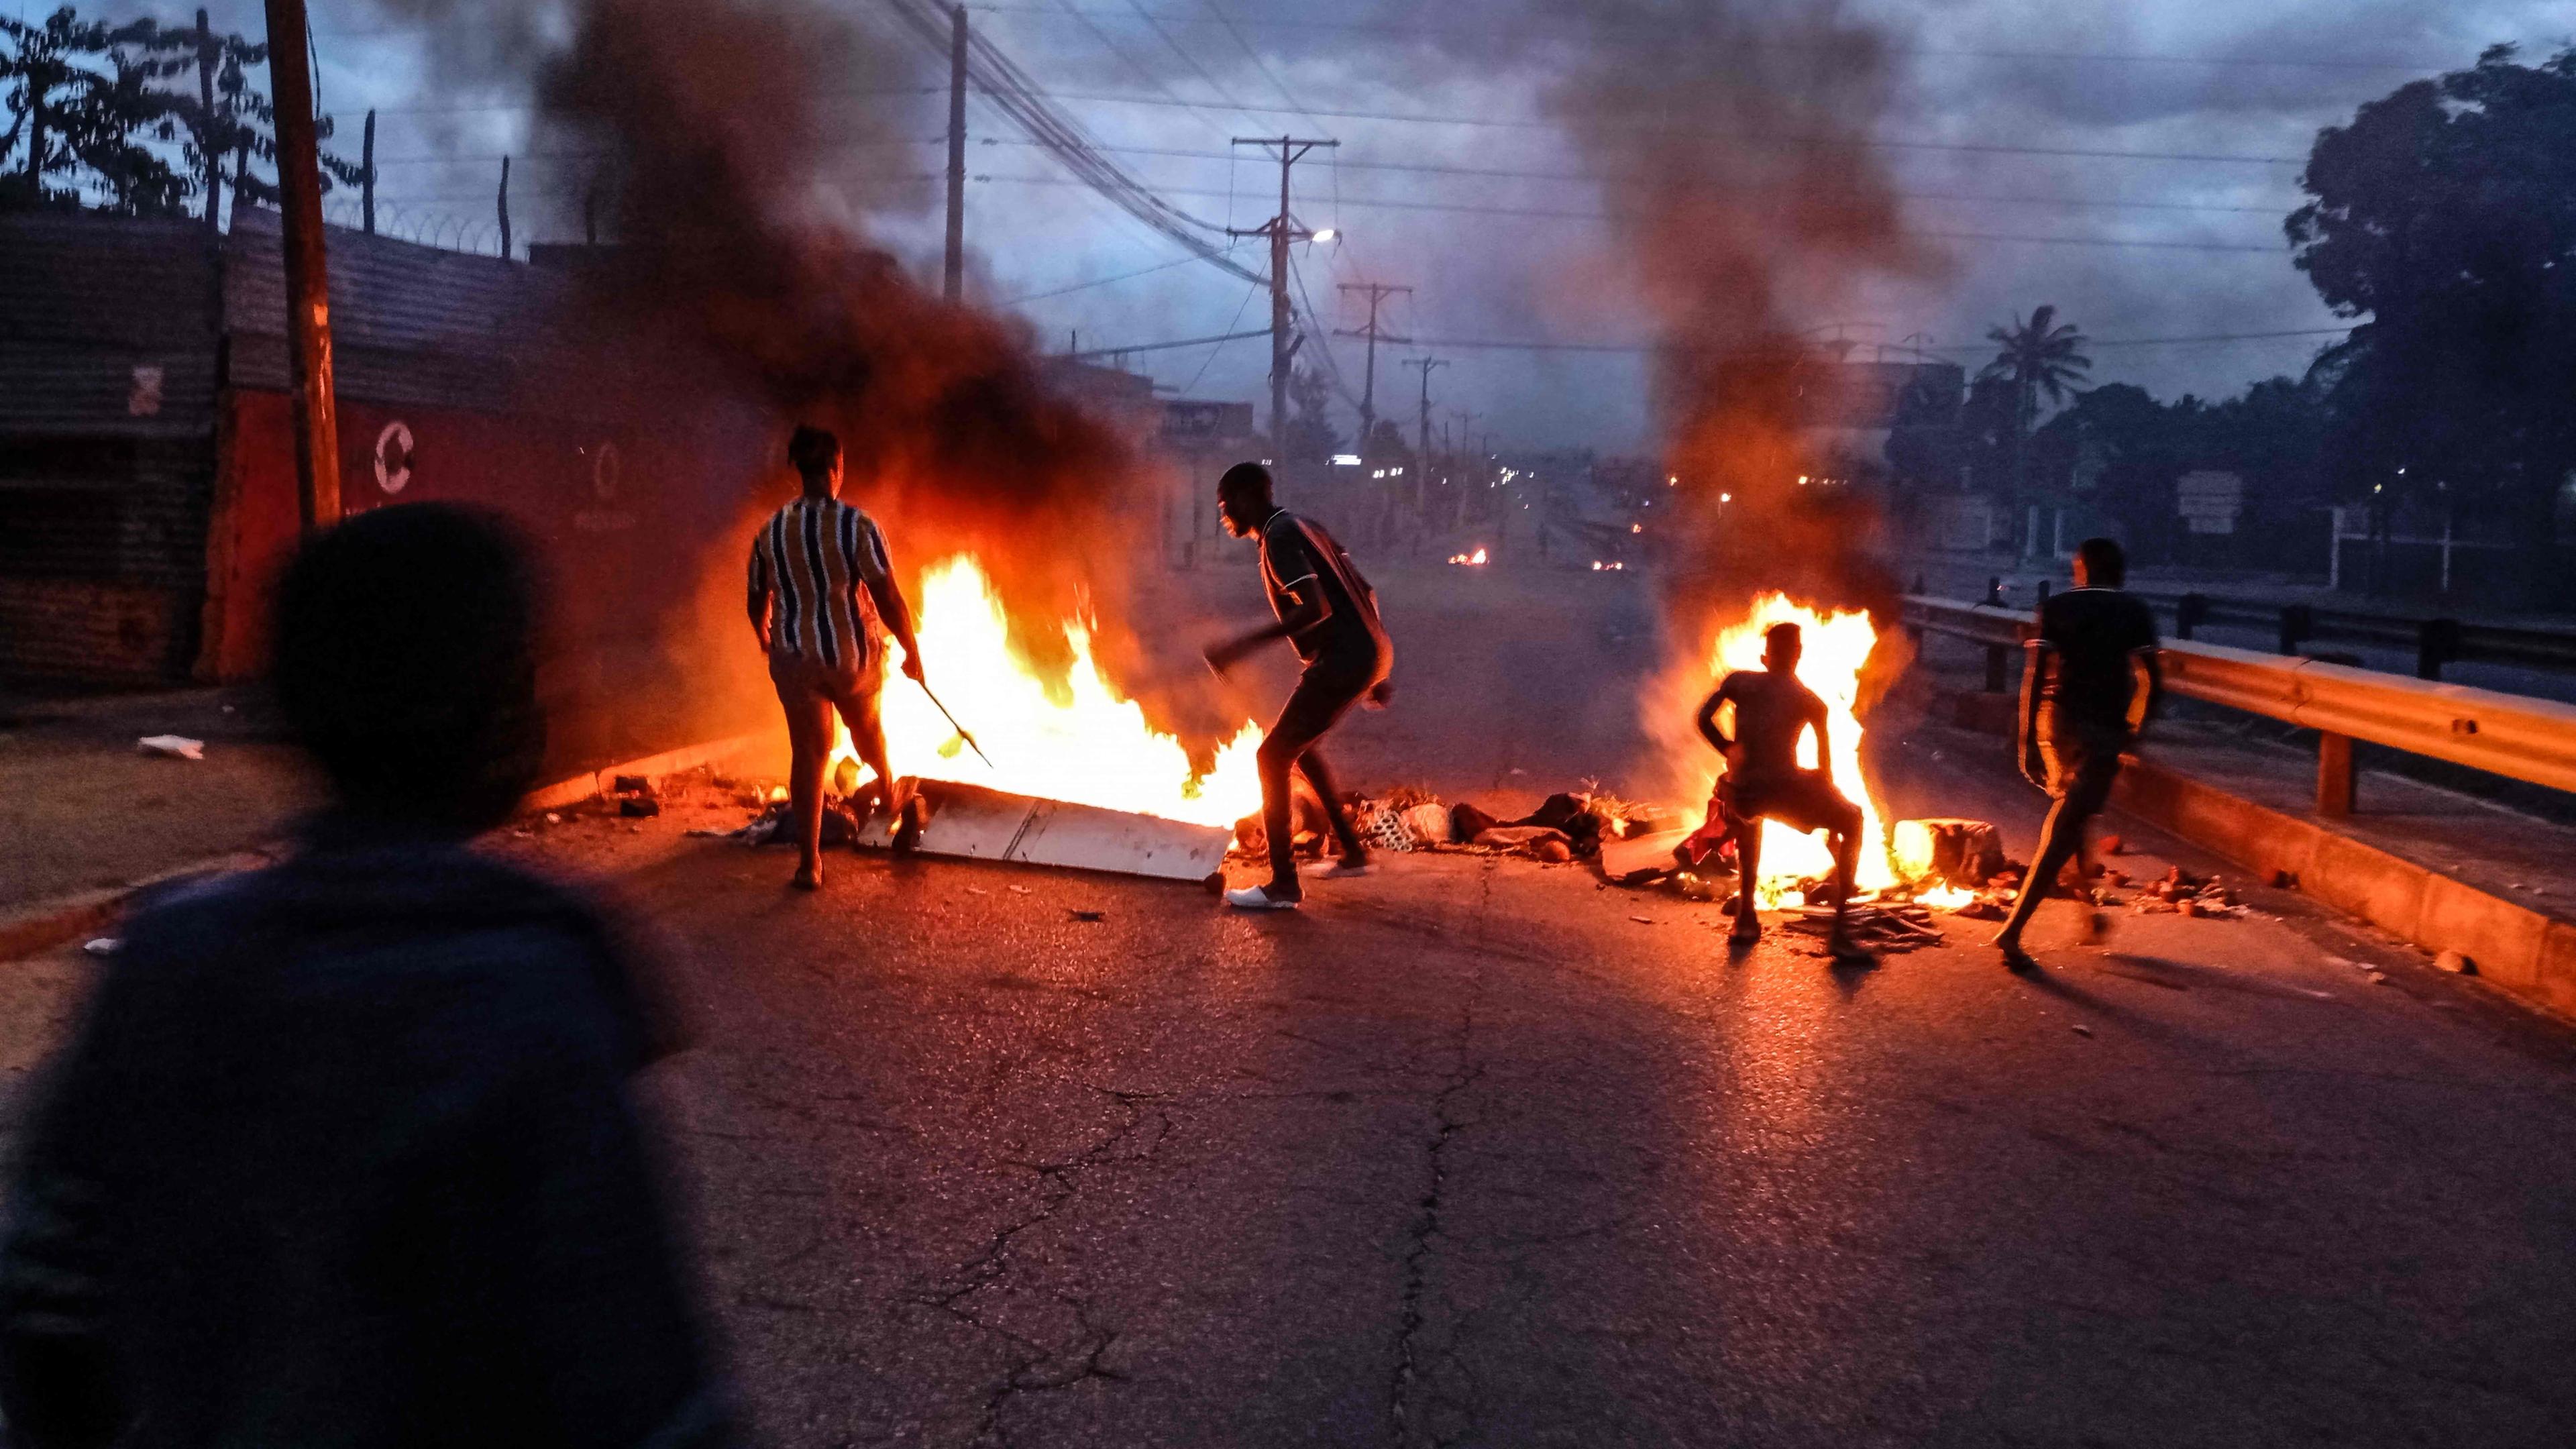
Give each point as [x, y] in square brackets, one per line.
[1343, 868]
[1259, 898]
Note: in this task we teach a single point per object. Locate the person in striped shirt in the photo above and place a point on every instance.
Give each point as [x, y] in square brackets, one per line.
[822, 596]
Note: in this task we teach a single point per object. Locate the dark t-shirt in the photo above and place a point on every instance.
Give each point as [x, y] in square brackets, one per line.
[1295, 550]
[2092, 634]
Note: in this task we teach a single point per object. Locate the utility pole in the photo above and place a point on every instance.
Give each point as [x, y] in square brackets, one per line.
[505, 208]
[955, 280]
[1425, 364]
[308, 285]
[206, 52]
[1377, 292]
[1281, 230]
[367, 176]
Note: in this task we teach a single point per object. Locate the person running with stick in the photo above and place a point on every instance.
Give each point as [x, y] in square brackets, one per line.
[2081, 710]
[821, 586]
[1328, 614]
[1764, 781]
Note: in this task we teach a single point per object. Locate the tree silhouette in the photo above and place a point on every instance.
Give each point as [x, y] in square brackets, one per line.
[2445, 215]
[1311, 437]
[2041, 356]
[96, 106]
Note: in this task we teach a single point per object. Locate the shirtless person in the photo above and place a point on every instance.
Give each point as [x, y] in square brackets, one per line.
[1763, 780]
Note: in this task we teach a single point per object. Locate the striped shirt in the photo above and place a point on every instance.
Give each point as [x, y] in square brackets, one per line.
[819, 562]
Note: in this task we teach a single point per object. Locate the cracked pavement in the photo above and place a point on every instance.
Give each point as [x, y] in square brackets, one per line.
[1465, 1154]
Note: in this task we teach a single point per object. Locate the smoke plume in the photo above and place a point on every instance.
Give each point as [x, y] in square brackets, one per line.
[1747, 210]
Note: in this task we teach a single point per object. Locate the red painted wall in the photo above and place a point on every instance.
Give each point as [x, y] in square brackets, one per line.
[608, 509]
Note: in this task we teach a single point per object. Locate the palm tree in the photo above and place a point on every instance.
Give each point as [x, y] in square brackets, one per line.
[2041, 357]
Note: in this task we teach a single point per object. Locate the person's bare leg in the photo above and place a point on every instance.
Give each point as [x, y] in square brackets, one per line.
[1838, 943]
[2058, 838]
[809, 747]
[1748, 871]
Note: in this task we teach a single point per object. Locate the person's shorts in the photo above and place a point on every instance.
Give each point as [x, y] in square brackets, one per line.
[810, 693]
[2083, 762]
[1803, 800]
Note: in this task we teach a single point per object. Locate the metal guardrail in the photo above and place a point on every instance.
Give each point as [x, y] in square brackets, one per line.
[2436, 641]
[2511, 735]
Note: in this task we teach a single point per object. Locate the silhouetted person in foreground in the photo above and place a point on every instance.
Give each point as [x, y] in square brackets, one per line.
[342, 1151]
[2092, 685]
[822, 597]
[1764, 781]
[1328, 614]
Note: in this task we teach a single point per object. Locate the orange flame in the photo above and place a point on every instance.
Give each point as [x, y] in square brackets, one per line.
[1081, 741]
[1468, 558]
[1838, 645]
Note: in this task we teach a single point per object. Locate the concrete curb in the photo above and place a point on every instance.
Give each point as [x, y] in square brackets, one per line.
[2526, 953]
[46, 924]
[602, 782]
[2517, 949]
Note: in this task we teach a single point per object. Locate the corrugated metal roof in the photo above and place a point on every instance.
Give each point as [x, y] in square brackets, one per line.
[410, 325]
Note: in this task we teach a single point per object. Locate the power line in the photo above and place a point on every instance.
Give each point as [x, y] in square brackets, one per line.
[1518, 344]
[1480, 172]
[1551, 214]
[1652, 125]
[1517, 174]
[1497, 122]
[1732, 42]
[1010, 89]
[1097, 282]
[1231, 323]
[2390, 65]
[1089, 352]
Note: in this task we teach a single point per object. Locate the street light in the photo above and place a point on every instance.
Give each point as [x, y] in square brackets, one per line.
[1327, 234]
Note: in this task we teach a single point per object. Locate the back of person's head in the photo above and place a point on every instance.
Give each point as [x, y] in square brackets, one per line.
[813, 450]
[1247, 481]
[406, 663]
[2106, 564]
[1783, 641]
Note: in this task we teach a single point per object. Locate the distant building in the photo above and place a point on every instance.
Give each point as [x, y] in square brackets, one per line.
[1200, 438]
[1850, 412]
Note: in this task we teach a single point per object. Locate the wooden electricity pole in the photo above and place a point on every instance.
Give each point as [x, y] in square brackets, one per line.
[1426, 364]
[954, 283]
[1377, 292]
[1281, 230]
[206, 53]
[308, 285]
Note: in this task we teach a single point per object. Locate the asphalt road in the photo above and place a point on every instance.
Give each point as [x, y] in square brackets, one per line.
[1480, 1152]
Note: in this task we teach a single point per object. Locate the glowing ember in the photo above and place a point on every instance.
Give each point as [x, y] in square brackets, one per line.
[1083, 741]
[1837, 646]
[1468, 558]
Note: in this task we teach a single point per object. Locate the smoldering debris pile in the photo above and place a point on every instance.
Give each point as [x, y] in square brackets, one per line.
[1568, 826]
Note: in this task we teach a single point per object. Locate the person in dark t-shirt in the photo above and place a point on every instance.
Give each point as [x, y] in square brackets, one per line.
[1328, 614]
[1764, 781]
[2092, 684]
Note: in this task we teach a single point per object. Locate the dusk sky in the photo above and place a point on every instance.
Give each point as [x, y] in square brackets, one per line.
[2129, 163]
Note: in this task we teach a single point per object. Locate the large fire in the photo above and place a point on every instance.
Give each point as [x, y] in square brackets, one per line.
[1838, 645]
[1082, 741]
